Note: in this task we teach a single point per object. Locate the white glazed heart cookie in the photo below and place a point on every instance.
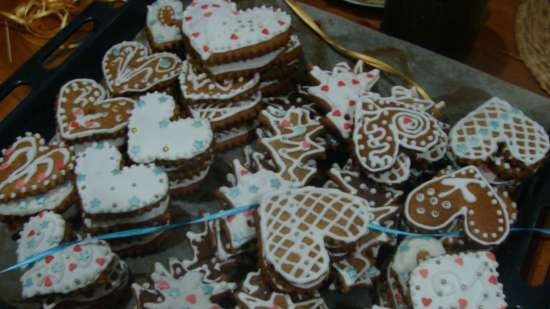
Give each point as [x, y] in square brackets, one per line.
[164, 19]
[501, 135]
[84, 112]
[466, 280]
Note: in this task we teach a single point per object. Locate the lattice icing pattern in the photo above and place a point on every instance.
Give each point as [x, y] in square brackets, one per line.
[295, 223]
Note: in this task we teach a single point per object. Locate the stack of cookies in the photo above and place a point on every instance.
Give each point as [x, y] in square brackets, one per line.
[234, 57]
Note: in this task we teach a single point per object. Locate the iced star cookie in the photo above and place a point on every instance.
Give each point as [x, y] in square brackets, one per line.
[463, 195]
[338, 93]
[216, 33]
[164, 18]
[291, 139]
[295, 227]
[42, 232]
[178, 287]
[197, 87]
[466, 280]
[501, 135]
[85, 112]
[393, 289]
[130, 69]
[73, 273]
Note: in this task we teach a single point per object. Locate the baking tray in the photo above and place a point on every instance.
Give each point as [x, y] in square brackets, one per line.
[462, 87]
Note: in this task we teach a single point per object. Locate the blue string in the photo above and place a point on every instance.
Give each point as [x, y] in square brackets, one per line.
[223, 214]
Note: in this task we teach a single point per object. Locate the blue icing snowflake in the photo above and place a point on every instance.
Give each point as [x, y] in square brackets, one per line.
[134, 202]
[275, 183]
[115, 172]
[351, 271]
[135, 150]
[116, 51]
[163, 124]
[197, 124]
[207, 289]
[484, 131]
[31, 243]
[198, 144]
[58, 266]
[140, 103]
[234, 192]
[253, 189]
[163, 99]
[164, 64]
[42, 200]
[495, 124]
[174, 293]
[83, 256]
[95, 203]
[80, 177]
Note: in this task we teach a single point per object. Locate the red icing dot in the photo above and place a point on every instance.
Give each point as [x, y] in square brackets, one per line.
[230, 218]
[336, 113]
[234, 36]
[459, 261]
[306, 145]
[249, 214]
[204, 7]
[59, 165]
[370, 75]
[406, 120]
[188, 18]
[40, 177]
[284, 123]
[352, 102]
[347, 125]
[281, 22]
[191, 298]
[207, 14]
[423, 272]
[195, 34]
[77, 111]
[354, 81]
[206, 48]
[48, 259]
[426, 301]
[47, 282]
[72, 266]
[341, 83]
[491, 256]
[265, 31]
[244, 171]
[74, 124]
[100, 261]
[163, 285]
[325, 88]
[20, 184]
[462, 303]
[77, 248]
[493, 280]
[41, 214]
[31, 233]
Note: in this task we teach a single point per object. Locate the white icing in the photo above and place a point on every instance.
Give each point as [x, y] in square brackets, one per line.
[40, 233]
[152, 135]
[240, 229]
[68, 270]
[90, 93]
[160, 31]
[221, 112]
[233, 133]
[104, 187]
[215, 26]
[282, 217]
[477, 136]
[225, 90]
[117, 142]
[341, 89]
[50, 200]
[468, 280]
[144, 217]
[182, 183]
[248, 64]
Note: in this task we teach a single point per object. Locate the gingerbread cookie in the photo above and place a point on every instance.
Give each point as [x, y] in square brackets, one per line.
[197, 87]
[339, 92]
[294, 226]
[236, 136]
[292, 142]
[41, 232]
[462, 195]
[29, 167]
[84, 112]
[177, 286]
[502, 135]
[217, 32]
[466, 280]
[384, 130]
[129, 69]
[254, 294]
[164, 18]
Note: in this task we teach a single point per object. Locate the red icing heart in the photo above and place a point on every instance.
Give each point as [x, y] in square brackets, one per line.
[325, 88]
[265, 31]
[31, 233]
[77, 248]
[60, 165]
[206, 48]
[354, 81]
[207, 14]
[163, 285]
[188, 18]
[491, 256]
[284, 123]
[195, 34]
[48, 259]
[47, 282]
[41, 214]
[424, 273]
[352, 102]
[191, 298]
[204, 6]
[341, 84]
[306, 145]
[462, 303]
[426, 301]
[40, 177]
[281, 22]
[216, 5]
[336, 113]
[493, 280]
[234, 36]
[244, 171]
[74, 124]
[347, 125]
[370, 75]
[100, 261]
[459, 261]
[72, 266]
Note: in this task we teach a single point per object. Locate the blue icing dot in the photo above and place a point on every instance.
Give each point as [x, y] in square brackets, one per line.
[275, 183]
[135, 150]
[484, 131]
[95, 203]
[31, 243]
[197, 124]
[299, 129]
[164, 63]
[42, 200]
[163, 99]
[140, 103]
[207, 289]
[174, 293]
[80, 177]
[58, 267]
[83, 256]
[234, 192]
[160, 38]
[473, 140]
[198, 144]
[163, 124]
[115, 172]
[23, 205]
[373, 271]
[494, 124]
[404, 248]
[134, 202]
[253, 189]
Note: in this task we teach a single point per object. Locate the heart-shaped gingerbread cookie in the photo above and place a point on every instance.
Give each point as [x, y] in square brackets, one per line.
[129, 68]
[215, 27]
[29, 167]
[84, 111]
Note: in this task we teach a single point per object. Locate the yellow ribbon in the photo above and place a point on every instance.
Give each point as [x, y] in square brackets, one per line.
[376, 63]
